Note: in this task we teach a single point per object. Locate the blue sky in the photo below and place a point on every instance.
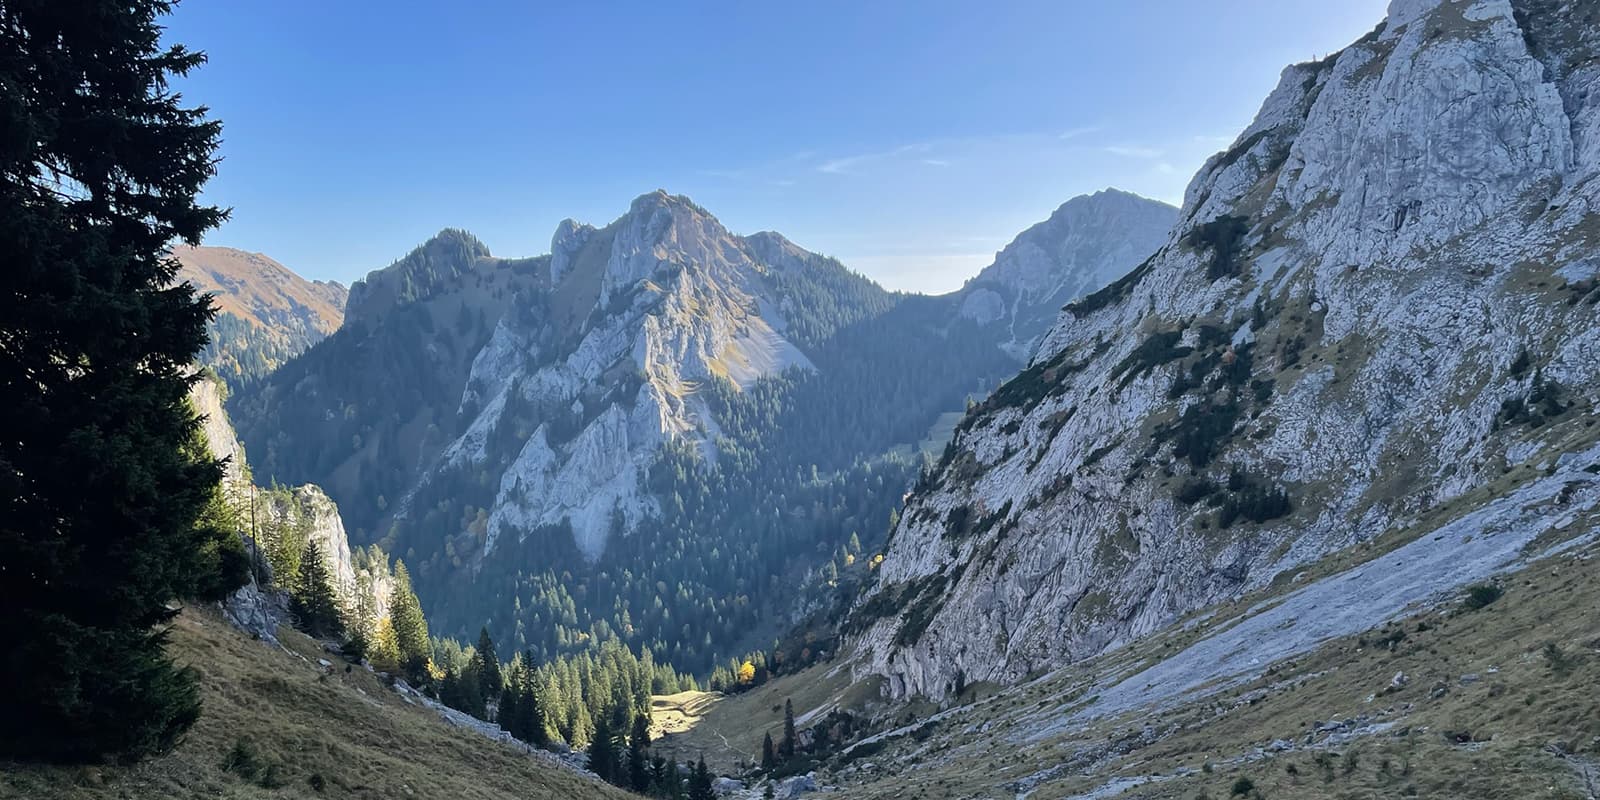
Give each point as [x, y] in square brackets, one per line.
[909, 139]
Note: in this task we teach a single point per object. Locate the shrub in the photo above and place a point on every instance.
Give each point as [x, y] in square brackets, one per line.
[1194, 490]
[1242, 786]
[1481, 595]
[1224, 236]
[1160, 348]
[1557, 659]
[247, 762]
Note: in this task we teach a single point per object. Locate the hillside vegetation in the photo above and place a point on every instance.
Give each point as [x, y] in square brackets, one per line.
[275, 723]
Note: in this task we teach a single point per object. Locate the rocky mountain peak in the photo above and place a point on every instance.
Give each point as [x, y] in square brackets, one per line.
[1088, 242]
[1374, 305]
[654, 305]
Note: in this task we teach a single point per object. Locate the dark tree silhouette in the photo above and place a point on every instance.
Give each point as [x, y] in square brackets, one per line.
[101, 164]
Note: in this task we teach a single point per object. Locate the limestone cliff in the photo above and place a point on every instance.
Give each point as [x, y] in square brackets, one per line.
[1375, 313]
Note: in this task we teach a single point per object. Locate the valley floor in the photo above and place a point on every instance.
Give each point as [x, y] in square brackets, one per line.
[1441, 701]
[309, 731]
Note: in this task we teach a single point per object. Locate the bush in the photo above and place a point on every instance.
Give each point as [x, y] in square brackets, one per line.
[243, 759]
[1243, 786]
[1194, 490]
[1224, 236]
[1482, 595]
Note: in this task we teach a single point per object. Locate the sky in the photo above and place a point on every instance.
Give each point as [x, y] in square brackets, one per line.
[911, 140]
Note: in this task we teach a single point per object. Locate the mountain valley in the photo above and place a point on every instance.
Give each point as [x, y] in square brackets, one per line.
[1292, 491]
[536, 424]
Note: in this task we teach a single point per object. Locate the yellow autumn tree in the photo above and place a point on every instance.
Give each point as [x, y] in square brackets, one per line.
[747, 672]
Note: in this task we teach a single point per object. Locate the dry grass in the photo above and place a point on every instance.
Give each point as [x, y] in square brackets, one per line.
[1487, 710]
[344, 731]
[727, 729]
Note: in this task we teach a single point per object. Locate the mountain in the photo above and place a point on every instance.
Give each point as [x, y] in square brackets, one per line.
[266, 314]
[1090, 241]
[1373, 323]
[730, 417]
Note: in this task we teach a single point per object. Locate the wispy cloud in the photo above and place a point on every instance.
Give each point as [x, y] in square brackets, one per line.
[846, 164]
[1134, 151]
[841, 166]
[936, 162]
[1082, 130]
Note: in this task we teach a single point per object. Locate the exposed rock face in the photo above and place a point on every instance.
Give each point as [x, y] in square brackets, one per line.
[1090, 241]
[678, 301]
[1377, 312]
[206, 395]
[259, 608]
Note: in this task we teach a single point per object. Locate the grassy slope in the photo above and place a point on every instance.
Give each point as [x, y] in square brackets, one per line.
[727, 730]
[254, 287]
[1486, 711]
[360, 737]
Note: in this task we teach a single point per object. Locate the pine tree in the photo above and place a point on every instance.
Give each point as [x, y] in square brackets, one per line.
[603, 750]
[99, 497]
[638, 757]
[531, 716]
[410, 628]
[489, 679]
[786, 747]
[385, 651]
[769, 758]
[700, 783]
[664, 778]
[312, 599]
[509, 715]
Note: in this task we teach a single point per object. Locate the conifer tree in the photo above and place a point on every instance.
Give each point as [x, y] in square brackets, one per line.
[509, 715]
[638, 755]
[410, 628]
[489, 679]
[385, 651]
[530, 715]
[786, 747]
[700, 782]
[100, 172]
[664, 778]
[312, 599]
[603, 750]
[769, 758]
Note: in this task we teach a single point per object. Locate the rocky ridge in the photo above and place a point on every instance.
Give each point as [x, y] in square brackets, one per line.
[686, 302]
[1376, 313]
[1090, 241]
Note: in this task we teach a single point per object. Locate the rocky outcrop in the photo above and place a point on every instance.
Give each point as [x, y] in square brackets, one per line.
[1090, 241]
[261, 606]
[677, 301]
[1376, 313]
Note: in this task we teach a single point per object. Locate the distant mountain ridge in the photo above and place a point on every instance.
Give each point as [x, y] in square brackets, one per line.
[1065, 257]
[645, 398]
[266, 314]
